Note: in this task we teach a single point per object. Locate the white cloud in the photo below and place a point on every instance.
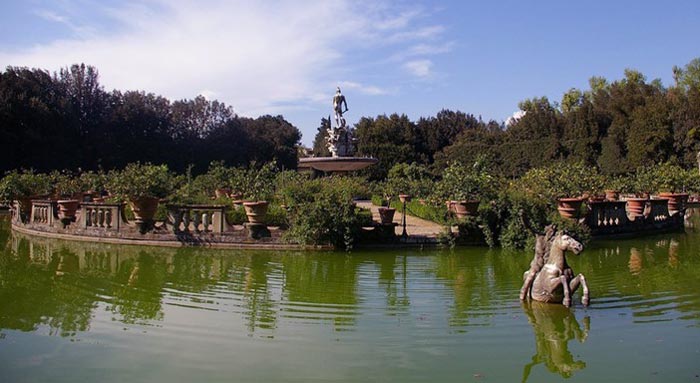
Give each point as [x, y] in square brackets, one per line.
[54, 17]
[364, 89]
[515, 117]
[259, 57]
[419, 68]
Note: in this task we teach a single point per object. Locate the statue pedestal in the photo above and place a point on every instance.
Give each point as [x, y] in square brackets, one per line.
[257, 230]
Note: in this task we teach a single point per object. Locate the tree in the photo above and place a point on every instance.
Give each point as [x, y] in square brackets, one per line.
[535, 139]
[320, 146]
[688, 77]
[391, 140]
[272, 138]
[441, 131]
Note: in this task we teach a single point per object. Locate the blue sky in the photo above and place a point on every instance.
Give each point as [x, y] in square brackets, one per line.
[412, 57]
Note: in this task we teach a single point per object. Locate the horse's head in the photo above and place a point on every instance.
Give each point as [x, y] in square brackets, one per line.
[566, 242]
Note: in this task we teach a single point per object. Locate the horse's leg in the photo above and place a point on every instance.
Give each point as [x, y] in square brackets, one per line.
[567, 294]
[573, 285]
[527, 285]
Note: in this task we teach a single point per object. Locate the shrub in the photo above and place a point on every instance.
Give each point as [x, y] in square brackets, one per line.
[66, 185]
[561, 180]
[138, 180]
[323, 211]
[191, 191]
[258, 184]
[460, 182]
[24, 184]
[217, 176]
[412, 179]
[94, 181]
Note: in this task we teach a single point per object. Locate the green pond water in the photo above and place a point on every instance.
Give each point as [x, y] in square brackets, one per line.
[80, 312]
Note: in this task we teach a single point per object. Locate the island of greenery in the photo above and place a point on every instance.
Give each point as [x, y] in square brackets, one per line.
[66, 138]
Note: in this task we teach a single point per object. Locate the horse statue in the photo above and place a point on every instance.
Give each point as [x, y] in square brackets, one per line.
[550, 279]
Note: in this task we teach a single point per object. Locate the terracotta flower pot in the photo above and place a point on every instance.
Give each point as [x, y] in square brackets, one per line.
[635, 206]
[25, 206]
[463, 209]
[256, 211]
[612, 195]
[67, 208]
[144, 208]
[596, 198]
[386, 214]
[222, 192]
[569, 208]
[676, 201]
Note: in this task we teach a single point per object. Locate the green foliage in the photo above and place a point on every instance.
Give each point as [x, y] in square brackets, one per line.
[191, 191]
[44, 117]
[665, 177]
[412, 179]
[580, 231]
[258, 184]
[66, 185]
[561, 180]
[218, 176]
[425, 210]
[236, 216]
[460, 182]
[23, 184]
[323, 211]
[391, 139]
[277, 216]
[141, 180]
[285, 179]
[93, 181]
[689, 76]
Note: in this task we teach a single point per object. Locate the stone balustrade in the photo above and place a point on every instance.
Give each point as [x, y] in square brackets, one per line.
[43, 213]
[607, 214]
[611, 218]
[659, 210]
[197, 218]
[98, 215]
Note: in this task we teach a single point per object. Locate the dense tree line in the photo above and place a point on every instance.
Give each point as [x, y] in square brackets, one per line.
[616, 127]
[67, 120]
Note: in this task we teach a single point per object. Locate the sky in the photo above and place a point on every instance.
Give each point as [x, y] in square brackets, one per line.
[407, 57]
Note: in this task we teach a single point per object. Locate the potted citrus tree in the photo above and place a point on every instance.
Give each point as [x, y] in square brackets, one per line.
[463, 187]
[23, 187]
[259, 190]
[386, 212]
[143, 186]
[67, 188]
[94, 185]
[644, 182]
[672, 183]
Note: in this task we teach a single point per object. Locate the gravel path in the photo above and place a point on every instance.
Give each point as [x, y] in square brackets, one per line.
[415, 227]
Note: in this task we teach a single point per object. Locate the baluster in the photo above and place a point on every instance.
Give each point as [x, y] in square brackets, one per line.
[205, 221]
[108, 218]
[186, 219]
[177, 219]
[100, 217]
[197, 219]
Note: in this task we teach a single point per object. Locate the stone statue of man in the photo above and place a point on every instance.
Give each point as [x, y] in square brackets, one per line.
[338, 102]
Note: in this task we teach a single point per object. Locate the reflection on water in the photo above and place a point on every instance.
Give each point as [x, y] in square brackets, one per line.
[394, 315]
[554, 327]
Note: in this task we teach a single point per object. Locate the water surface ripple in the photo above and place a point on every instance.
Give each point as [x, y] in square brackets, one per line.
[89, 312]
